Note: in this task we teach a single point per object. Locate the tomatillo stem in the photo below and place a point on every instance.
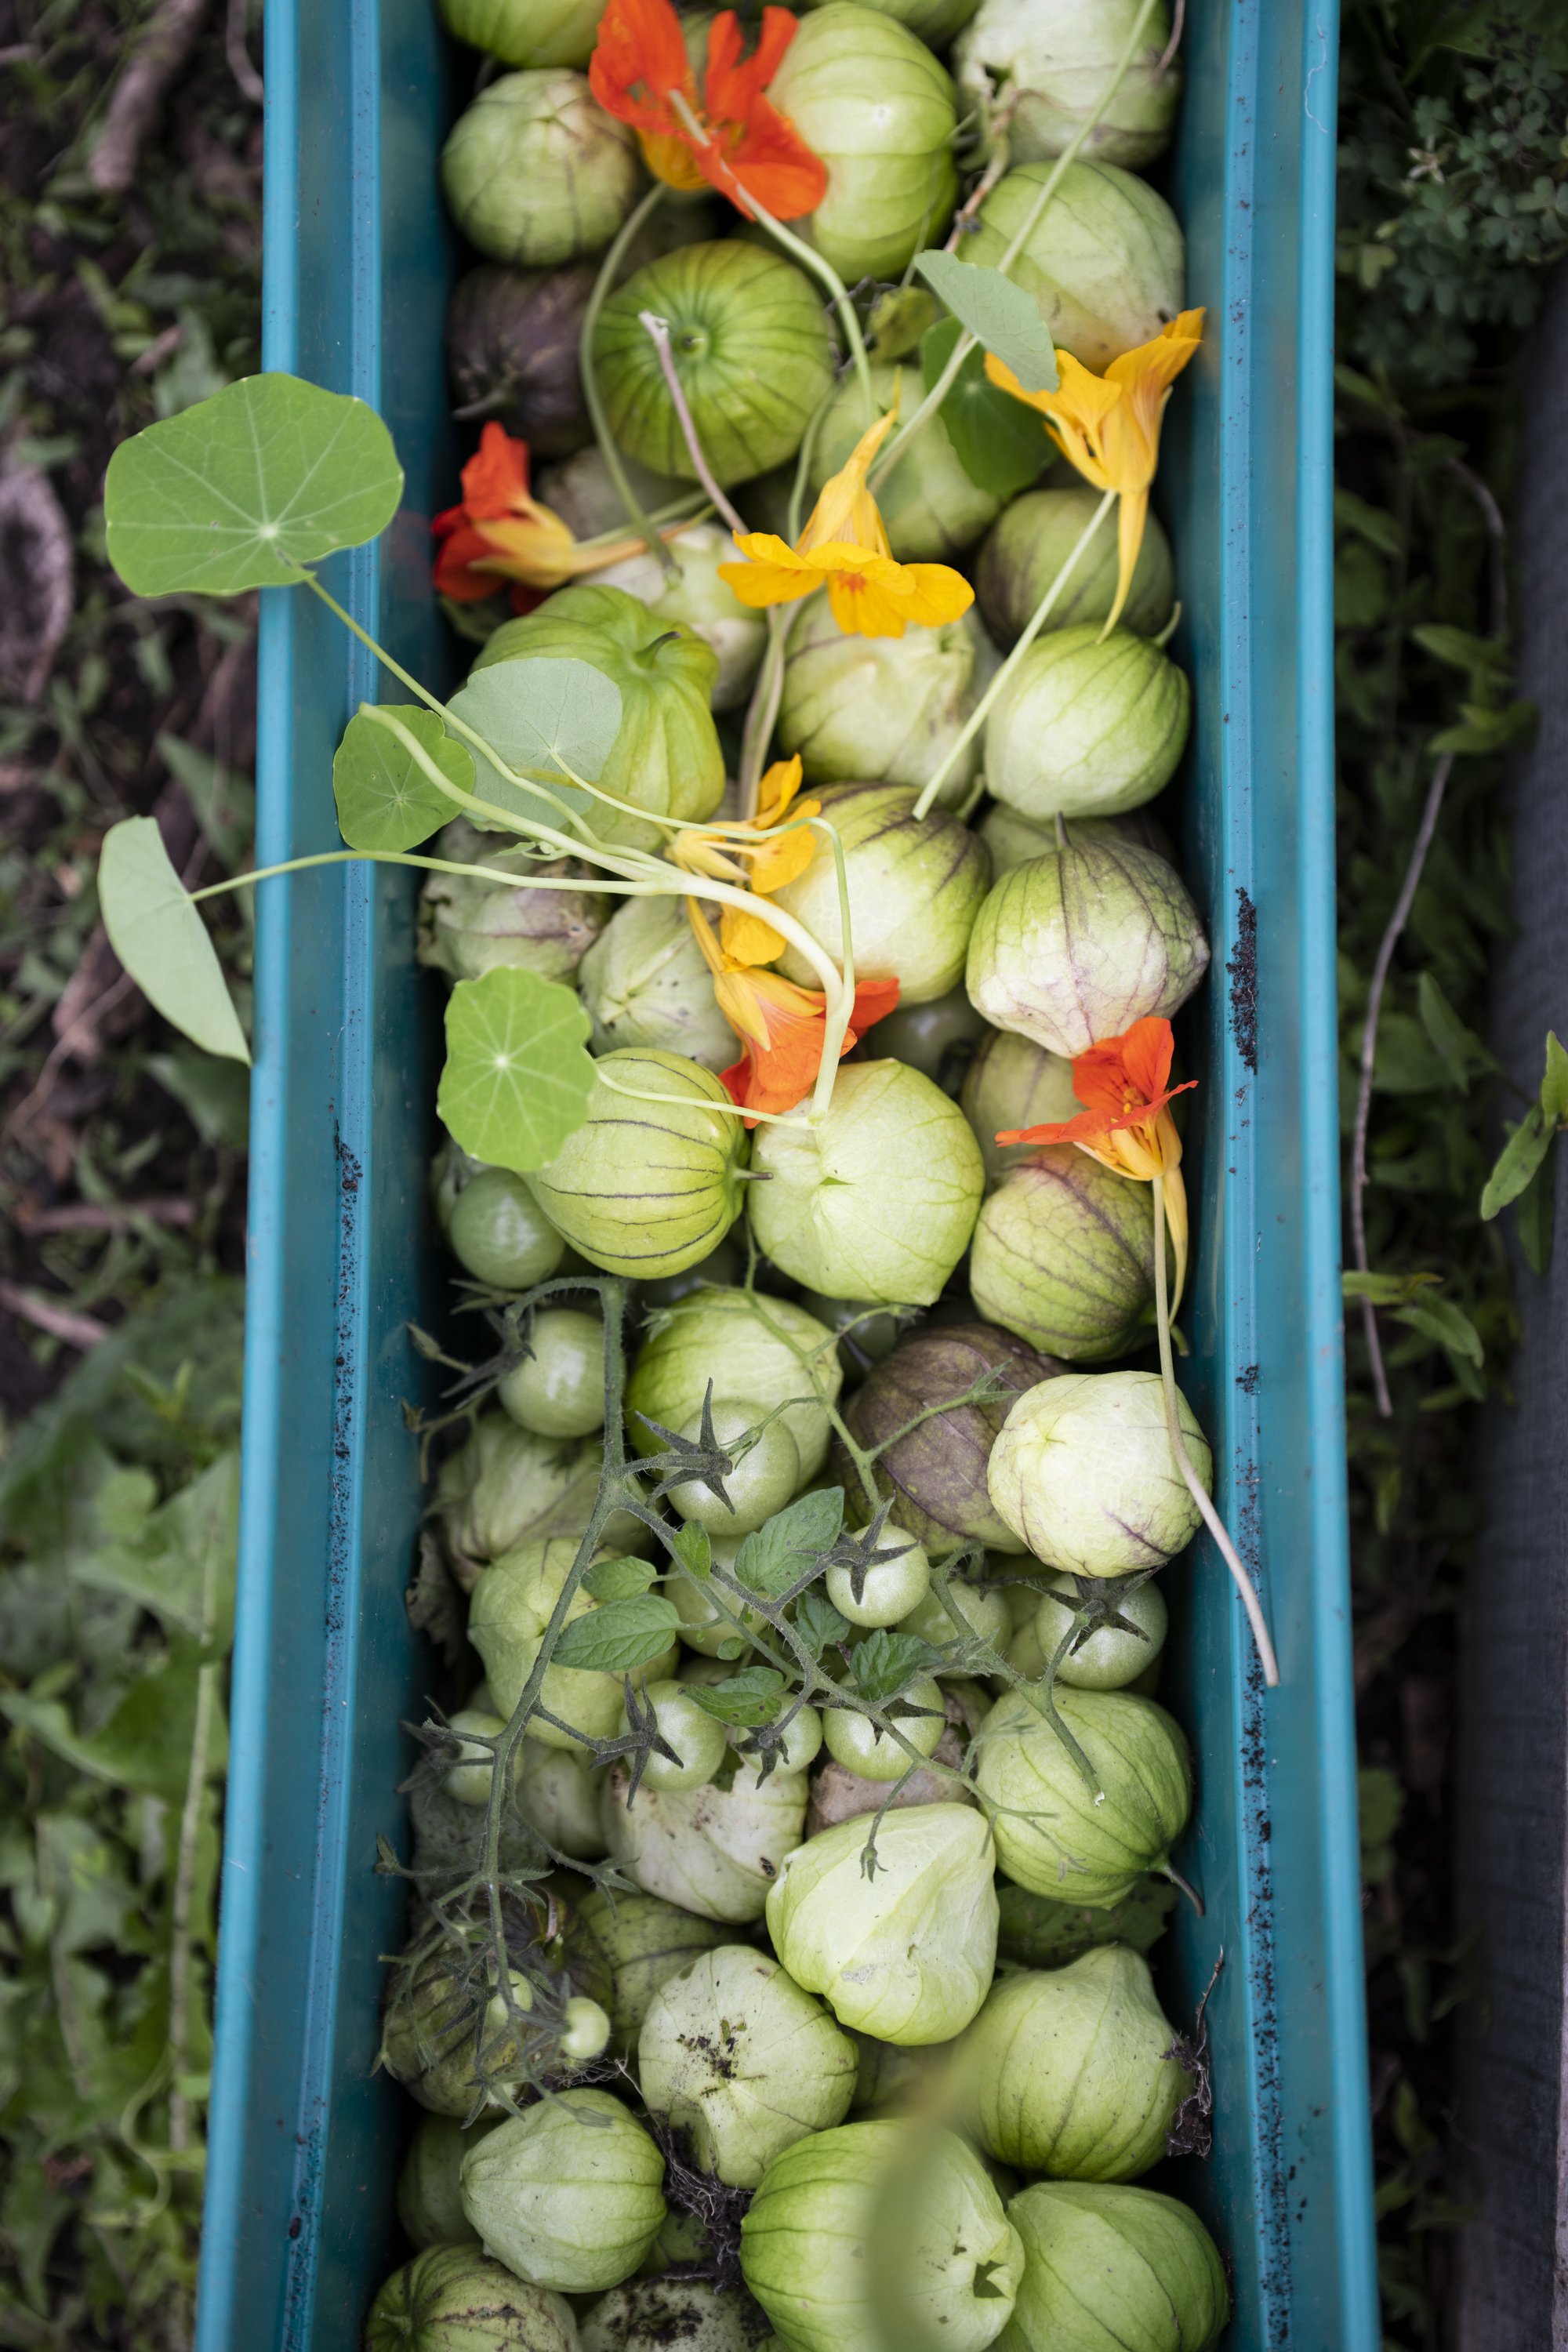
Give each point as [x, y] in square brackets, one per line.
[1211, 1517]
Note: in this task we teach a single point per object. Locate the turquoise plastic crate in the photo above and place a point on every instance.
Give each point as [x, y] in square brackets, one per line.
[304, 2141]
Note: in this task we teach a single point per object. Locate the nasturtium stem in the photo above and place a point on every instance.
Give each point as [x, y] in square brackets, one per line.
[763, 710]
[796, 247]
[1037, 622]
[966, 341]
[657, 329]
[594, 399]
[1195, 1484]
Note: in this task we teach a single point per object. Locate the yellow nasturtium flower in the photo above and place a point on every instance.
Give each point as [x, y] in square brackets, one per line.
[844, 548]
[1108, 425]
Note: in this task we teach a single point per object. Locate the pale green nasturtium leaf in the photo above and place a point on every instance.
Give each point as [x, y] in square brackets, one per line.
[238, 492]
[536, 713]
[386, 801]
[161, 938]
[517, 1080]
[1001, 314]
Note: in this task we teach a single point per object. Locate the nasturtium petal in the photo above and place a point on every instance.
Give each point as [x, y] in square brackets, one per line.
[161, 938]
[386, 801]
[517, 1080]
[240, 491]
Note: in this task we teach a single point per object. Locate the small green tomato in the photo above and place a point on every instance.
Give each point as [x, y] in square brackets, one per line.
[890, 1588]
[702, 1627]
[559, 1390]
[802, 1741]
[470, 1780]
[984, 1612]
[696, 1737]
[855, 1741]
[500, 1234]
[585, 2030]
[762, 1482]
[1110, 1658]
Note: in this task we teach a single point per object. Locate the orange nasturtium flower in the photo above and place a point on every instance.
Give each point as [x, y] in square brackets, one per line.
[501, 532]
[727, 135]
[1126, 1124]
[844, 547]
[782, 1028]
[765, 865]
[1109, 426]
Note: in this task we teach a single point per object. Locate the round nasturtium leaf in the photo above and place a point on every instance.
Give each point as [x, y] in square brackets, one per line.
[385, 800]
[517, 1080]
[240, 491]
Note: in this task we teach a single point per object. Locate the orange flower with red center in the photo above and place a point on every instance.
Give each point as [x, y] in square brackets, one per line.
[728, 134]
[501, 532]
[1126, 1124]
[782, 1029]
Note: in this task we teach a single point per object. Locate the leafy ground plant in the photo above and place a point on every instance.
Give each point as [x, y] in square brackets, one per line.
[1454, 193]
[130, 257]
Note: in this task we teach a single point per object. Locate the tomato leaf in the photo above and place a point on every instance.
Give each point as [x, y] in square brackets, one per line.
[999, 312]
[1450, 1326]
[1000, 443]
[516, 1080]
[386, 801]
[161, 941]
[620, 1637]
[619, 1579]
[884, 1663]
[1554, 1081]
[818, 1623]
[241, 490]
[693, 1549]
[784, 1548]
[1535, 1214]
[752, 1696]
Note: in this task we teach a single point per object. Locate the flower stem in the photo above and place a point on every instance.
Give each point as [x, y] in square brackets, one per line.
[1069, 155]
[657, 332]
[796, 247]
[1037, 619]
[594, 400]
[1195, 1484]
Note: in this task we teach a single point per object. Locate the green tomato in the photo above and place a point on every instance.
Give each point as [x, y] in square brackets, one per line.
[647, 1187]
[762, 1482]
[559, 1390]
[749, 345]
[914, 891]
[696, 1737]
[430, 2203]
[1109, 1659]
[469, 1780]
[665, 757]
[500, 1234]
[889, 1589]
[855, 1741]
[455, 2298]
[568, 2194]
[703, 1627]
[802, 1741]
[527, 31]
[535, 172]
[872, 101]
[986, 1614]
[556, 1791]
[585, 2030]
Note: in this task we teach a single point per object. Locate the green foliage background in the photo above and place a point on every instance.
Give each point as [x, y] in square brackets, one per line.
[1453, 203]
